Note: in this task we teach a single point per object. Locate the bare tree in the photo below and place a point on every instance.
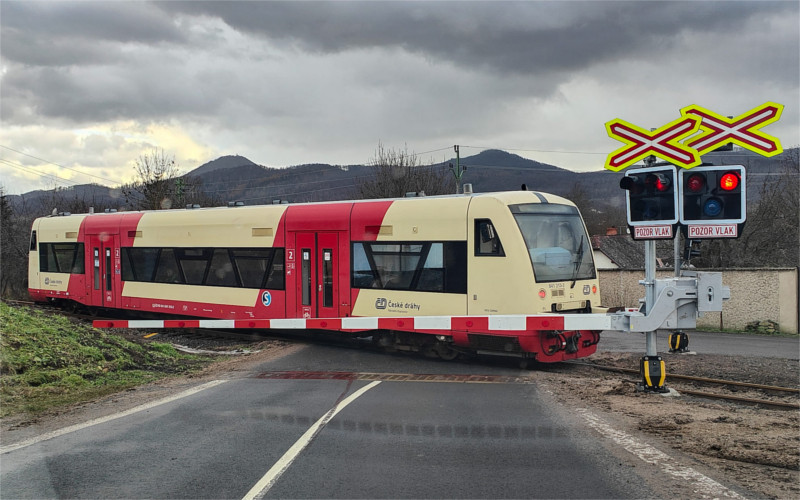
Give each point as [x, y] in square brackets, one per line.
[14, 234]
[396, 173]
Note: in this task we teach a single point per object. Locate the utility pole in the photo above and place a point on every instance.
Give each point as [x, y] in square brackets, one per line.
[457, 171]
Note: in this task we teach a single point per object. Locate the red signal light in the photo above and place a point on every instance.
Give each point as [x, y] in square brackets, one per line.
[729, 181]
[658, 181]
[695, 183]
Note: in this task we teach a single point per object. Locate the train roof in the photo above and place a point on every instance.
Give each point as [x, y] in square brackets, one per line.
[505, 197]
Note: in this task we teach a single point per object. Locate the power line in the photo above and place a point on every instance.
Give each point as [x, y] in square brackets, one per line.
[41, 174]
[59, 165]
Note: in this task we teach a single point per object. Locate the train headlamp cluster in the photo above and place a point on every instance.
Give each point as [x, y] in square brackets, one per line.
[701, 195]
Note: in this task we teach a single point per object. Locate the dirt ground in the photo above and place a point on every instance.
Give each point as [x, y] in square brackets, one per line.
[757, 448]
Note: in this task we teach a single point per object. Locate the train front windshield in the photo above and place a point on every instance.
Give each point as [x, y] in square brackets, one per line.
[557, 242]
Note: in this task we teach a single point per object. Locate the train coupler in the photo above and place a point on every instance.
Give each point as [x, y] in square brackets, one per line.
[653, 374]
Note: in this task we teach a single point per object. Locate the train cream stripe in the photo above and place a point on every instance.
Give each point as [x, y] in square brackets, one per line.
[702, 485]
[276, 471]
[108, 418]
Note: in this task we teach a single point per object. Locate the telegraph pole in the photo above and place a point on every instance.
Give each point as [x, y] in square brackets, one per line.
[457, 171]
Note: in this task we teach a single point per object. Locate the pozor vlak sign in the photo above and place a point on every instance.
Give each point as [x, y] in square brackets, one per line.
[709, 201]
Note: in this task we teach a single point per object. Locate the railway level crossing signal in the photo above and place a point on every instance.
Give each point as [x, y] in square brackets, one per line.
[709, 202]
[713, 201]
[651, 201]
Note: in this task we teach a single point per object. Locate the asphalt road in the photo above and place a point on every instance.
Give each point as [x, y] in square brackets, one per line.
[766, 346]
[397, 439]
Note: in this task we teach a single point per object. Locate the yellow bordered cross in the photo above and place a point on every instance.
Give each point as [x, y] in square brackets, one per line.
[662, 142]
[742, 130]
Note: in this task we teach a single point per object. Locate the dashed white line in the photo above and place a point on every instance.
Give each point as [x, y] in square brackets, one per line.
[704, 486]
[265, 483]
[108, 418]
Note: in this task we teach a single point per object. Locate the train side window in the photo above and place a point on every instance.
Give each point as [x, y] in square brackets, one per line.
[61, 258]
[252, 265]
[305, 276]
[414, 266]
[276, 279]
[33, 241]
[221, 271]
[327, 277]
[194, 263]
[167, 269]
[96, 262]
[487, 241]
[108, 269]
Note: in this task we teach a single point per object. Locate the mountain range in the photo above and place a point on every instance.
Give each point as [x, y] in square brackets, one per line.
[236, 178]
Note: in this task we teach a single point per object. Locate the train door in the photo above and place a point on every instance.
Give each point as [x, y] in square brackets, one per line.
[104, 278]
[318, 262]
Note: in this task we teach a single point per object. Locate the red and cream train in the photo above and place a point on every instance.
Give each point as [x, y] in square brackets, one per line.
[508, 273]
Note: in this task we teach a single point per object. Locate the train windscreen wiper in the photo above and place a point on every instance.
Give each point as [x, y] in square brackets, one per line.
[578, 262]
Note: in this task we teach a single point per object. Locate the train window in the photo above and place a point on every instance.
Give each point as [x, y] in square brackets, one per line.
[33, 241]
[167, 268]
[305, 276]
[108, 269]
[62, 258]
[327, 277]
[557, 242]
[96, 262]
[139, 264]
[418, 266]
[231, 267]
[221, 271]
[252, 266]
[275, 280]
[487, 241]
[194, 263]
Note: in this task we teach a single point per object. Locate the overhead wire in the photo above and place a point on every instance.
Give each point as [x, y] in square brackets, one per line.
[59, 165]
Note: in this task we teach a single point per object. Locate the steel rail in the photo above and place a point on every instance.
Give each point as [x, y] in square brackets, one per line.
[693, 378]
[776, 404]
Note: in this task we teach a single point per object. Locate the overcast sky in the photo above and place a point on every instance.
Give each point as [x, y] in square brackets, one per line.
[92, 85]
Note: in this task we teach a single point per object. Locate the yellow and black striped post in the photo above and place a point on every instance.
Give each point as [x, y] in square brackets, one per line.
[678, 342]
[654, 374]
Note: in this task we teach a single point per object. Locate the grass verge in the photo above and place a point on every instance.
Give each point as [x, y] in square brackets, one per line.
[47, 361]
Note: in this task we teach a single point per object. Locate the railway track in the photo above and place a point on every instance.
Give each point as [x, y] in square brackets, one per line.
[782, 397]
[685, 382]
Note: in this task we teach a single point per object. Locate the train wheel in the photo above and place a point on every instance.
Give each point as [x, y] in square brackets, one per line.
[445, 352]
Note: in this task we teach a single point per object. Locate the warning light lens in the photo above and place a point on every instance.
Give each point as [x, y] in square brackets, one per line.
[712, 207]
[542, 294]
[658, 181]
[695, 183]
[729, 181]
[594, 288]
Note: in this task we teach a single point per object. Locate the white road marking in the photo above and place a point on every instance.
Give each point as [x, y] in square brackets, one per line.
[265, 483]
[108, 418]
[704, 486]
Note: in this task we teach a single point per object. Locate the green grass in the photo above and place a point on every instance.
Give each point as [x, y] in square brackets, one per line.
[47, 361]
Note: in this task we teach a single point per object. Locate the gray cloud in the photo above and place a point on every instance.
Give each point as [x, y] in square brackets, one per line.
[517, 37]
[288, 82]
